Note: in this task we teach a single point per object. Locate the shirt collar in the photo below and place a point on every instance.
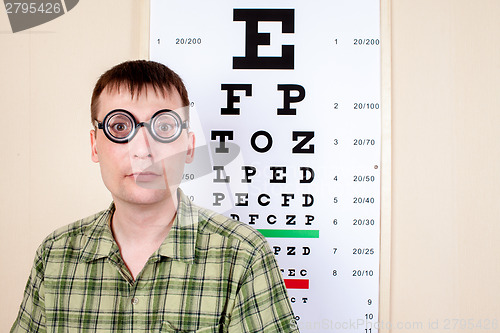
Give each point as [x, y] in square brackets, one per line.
[100, 241]
[180, 243]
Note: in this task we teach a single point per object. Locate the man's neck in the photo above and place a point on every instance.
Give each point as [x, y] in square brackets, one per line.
[143, 223]
[139, 230]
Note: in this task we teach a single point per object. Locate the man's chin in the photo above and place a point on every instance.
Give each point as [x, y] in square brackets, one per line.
[147, 196]
[151, 185]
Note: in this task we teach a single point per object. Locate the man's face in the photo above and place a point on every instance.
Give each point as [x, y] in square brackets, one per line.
[142, 171]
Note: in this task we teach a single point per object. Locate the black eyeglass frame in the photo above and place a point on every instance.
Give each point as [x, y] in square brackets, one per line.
[136, 126]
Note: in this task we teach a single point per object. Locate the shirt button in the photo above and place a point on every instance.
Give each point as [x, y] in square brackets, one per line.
[134, 300]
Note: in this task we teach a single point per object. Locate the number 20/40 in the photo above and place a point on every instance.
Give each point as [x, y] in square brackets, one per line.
[187, 41]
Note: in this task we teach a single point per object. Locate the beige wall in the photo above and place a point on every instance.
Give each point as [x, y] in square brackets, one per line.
[47, 178]
[445, 147]
[446, 161]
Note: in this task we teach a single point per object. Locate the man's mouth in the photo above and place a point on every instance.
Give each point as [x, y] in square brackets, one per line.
[145, 176]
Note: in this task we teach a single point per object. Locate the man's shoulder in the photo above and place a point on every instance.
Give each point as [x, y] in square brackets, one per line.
[223, 227]
[72, 233]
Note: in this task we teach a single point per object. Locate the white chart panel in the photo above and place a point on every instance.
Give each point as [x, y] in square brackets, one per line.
[286, 110]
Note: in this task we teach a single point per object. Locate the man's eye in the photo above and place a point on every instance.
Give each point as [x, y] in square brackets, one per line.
[164, 127]
[120, 127]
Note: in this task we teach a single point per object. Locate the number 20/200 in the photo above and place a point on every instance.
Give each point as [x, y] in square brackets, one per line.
[187, 41]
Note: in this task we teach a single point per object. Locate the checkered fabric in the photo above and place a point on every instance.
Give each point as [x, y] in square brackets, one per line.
[211, 274]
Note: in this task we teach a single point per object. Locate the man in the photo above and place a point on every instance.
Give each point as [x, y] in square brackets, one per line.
[153, 261]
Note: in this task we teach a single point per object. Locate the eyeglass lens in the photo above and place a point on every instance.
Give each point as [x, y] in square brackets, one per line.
[165, 126]
[120, 126]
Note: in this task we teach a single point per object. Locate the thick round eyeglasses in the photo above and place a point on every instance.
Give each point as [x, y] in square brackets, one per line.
[120, 126]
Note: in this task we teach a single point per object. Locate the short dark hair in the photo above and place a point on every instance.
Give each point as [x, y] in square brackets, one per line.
[136, 75]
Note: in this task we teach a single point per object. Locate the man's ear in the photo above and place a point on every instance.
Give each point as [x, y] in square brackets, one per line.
[190, 147]
[93, 147]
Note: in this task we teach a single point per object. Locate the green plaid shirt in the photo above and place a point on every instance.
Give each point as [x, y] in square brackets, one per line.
[211, 274]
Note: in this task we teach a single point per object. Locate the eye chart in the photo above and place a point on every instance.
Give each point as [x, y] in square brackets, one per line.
[287, 116]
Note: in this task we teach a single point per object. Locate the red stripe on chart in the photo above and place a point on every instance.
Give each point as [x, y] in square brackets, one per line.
[297, 283]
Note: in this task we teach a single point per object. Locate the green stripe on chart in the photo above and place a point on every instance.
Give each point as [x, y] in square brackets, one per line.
[280, 233]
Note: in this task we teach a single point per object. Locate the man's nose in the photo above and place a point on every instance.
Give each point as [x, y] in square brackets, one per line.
[140, 146]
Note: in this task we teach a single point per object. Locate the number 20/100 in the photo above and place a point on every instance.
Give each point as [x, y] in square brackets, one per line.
[187, 41]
